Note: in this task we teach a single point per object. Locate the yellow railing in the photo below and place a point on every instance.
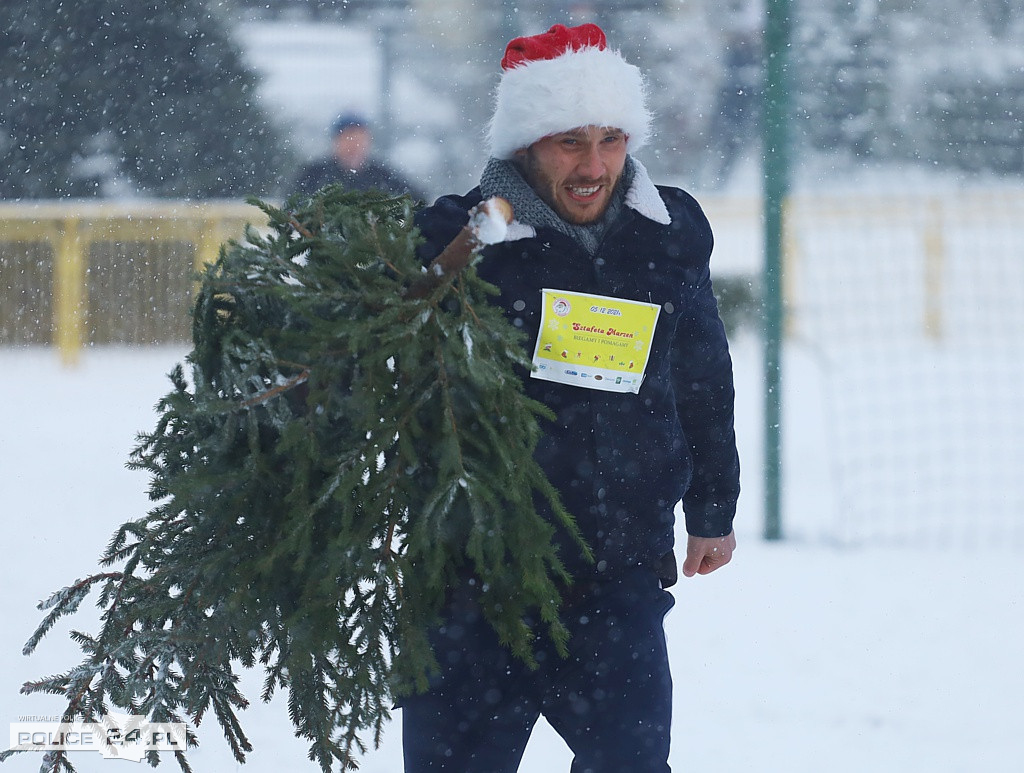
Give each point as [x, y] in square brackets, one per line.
[900, 260]
[140, 255]
[79, 273]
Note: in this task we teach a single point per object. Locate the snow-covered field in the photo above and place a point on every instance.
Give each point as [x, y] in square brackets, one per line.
[800, 657]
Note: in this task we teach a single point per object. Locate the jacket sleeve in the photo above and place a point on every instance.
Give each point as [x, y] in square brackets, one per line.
[441, 222]
[703, 385]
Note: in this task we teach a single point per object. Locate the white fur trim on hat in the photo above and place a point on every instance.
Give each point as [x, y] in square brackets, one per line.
[586, 87]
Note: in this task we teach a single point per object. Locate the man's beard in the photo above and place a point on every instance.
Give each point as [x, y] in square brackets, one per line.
[547, 190]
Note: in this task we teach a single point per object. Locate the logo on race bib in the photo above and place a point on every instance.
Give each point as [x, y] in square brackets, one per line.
[561, 307]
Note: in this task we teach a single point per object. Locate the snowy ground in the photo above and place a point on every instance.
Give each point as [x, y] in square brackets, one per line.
[799, 657]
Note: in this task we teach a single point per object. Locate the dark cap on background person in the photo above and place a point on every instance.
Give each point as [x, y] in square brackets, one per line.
[350, 120]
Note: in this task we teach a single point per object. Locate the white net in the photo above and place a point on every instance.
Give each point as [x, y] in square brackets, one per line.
[914, 309]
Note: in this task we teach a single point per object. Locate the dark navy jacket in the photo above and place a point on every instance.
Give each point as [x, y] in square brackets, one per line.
[622, 461]
[373, 175]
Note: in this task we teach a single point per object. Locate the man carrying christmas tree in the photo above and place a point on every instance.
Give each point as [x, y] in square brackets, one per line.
[607, 276]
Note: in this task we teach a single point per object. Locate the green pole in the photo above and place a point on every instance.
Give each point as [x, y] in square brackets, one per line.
[776, 187]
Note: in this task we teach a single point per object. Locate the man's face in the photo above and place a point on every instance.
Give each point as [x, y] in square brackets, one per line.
[575, 172]
[352, 147]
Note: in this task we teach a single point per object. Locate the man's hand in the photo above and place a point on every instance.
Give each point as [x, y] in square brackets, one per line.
[705, 554]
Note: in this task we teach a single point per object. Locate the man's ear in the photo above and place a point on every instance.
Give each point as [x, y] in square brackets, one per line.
[521, 159]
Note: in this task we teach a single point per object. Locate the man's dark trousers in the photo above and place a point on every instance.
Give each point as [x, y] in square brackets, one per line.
[610, 700]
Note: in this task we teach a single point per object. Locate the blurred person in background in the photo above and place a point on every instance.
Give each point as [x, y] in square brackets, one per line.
[590, 222]
[352, 164]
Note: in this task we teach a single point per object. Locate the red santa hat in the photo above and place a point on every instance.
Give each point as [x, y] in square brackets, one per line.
[563, 79]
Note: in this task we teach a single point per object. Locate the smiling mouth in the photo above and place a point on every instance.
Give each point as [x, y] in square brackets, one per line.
[584, 192]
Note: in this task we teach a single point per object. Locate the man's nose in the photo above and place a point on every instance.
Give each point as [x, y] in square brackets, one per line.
[591, 166]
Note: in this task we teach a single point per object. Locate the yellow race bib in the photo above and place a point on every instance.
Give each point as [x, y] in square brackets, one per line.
[594, 341]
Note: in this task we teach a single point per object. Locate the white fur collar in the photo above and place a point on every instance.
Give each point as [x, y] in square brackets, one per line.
[642, 197]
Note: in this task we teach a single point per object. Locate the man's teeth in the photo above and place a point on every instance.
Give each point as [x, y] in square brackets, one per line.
[588, 191]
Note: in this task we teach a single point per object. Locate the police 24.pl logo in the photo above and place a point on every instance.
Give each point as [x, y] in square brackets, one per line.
[114, 736]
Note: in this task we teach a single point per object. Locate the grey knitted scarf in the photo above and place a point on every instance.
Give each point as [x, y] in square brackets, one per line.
[502, 178]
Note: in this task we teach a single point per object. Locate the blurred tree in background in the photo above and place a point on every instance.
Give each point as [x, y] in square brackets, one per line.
[939, 83]
[157, 94]
[94, 90]
[965, 97]
[841, 81]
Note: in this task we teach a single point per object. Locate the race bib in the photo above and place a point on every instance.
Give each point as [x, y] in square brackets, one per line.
[594, 341]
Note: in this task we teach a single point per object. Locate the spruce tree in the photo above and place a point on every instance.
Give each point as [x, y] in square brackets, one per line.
[351, 438]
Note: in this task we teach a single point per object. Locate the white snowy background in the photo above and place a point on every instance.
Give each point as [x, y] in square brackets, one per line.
[798, 657]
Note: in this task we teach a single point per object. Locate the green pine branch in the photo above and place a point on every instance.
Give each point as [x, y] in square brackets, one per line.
[349, 441]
